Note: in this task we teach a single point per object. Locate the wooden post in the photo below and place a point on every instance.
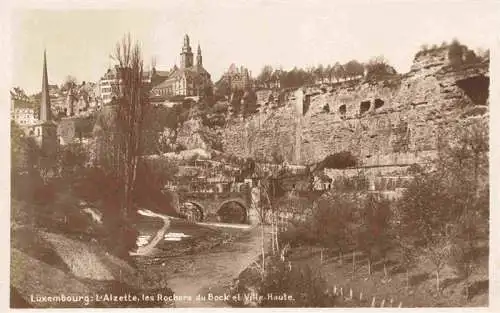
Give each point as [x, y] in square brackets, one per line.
[373, 302]
[342, 291]
[400, 305]
[392, 302]
[335, 290]
[350, 294]
[361, 296]
[437, 281]
[263, 251]
[382, 303]
[353, 263]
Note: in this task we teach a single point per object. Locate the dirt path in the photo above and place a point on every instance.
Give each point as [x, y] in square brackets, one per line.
[213, 272]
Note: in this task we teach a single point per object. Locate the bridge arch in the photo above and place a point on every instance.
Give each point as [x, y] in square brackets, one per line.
[233, 210]
[193, 210]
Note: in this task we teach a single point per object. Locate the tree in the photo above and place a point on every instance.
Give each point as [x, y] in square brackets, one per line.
[71, 158]
[378, 67]
[440, 212]
[339, 71]
[329, 73]
[438, 253]
[455, 53]
[464, 253]
[407, 256]
[319, 73]
[374, 232]
[69, 83]
[353, 69]
[132, 103]
[331, 222]
[265, 76]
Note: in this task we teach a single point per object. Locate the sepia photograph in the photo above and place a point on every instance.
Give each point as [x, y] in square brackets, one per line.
[250, 154]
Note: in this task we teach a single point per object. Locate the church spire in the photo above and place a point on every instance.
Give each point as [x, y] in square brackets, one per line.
[199, 59]
[45, 113]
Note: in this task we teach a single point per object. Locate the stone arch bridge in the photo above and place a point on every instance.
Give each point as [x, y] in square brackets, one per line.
[204, 206]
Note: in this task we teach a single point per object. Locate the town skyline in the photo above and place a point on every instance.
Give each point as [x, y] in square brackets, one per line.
[255, 36]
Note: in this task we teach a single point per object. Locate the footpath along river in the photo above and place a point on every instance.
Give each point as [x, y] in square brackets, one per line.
[209, 273]
[213, 272]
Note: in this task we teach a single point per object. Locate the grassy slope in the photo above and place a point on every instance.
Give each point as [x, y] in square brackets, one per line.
[422, 292]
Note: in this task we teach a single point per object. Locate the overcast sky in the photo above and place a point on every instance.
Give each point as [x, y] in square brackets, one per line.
[288, 33]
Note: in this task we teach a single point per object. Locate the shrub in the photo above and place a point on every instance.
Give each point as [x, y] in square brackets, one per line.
[306, 286]
[297, 234]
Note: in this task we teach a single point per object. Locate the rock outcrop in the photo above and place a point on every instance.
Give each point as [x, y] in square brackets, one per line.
[391, 122]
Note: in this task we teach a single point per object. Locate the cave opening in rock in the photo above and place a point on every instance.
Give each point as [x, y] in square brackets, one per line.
[476, 88]
[342, 110]
[326, 108]
[364, 106]
[378, 103]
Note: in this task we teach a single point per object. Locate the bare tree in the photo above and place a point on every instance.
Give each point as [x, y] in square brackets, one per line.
[132, 103]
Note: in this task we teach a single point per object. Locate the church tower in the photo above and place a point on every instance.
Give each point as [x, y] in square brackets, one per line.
[186, 54]
[199, 59]
[45, 131]
[45, 112]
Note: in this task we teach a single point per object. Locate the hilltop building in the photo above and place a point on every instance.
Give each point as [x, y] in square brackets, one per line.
[190, 79]
[110, 83]
[238, 78]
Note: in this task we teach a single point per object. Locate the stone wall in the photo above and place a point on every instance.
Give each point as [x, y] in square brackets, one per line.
[390, 122]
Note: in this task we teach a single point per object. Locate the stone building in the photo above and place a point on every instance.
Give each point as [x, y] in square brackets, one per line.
[190, 79]
[110, 83]
[238, 78]
[24, 116]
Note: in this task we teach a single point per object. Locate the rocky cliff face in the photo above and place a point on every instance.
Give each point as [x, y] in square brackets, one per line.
[395, 121]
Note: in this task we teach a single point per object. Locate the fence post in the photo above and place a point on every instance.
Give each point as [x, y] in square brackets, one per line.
[361, 296]
[383, 303]
[373, 302]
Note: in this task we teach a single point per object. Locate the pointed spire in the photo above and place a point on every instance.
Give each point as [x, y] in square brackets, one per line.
[45, 113]
[199, 59]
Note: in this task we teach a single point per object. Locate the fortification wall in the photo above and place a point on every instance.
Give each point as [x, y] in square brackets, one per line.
[383, 123]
